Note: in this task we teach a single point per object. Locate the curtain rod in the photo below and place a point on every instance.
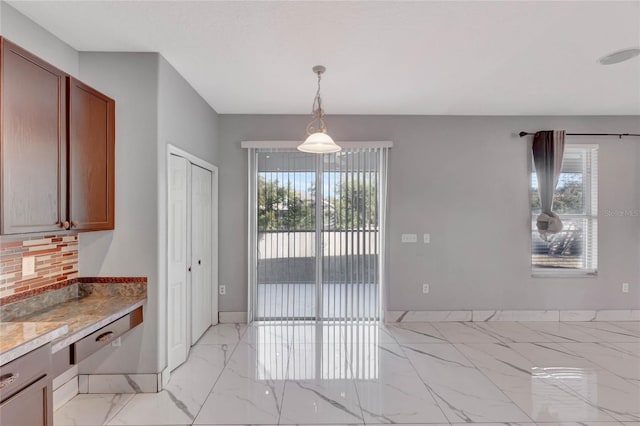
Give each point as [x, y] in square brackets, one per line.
[619, 135]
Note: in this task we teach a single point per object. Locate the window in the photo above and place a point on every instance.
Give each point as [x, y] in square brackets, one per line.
[317, 233]
[573, 251]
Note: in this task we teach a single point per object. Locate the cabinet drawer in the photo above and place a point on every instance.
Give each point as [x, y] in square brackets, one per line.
[23, 371]
[102, 337]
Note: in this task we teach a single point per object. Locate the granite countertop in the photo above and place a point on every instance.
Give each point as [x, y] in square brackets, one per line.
[69, 320]
[85, 315]
[19, 338]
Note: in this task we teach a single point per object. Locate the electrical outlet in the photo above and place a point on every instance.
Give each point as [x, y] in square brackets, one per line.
[222, 289]
[427, 238]
[117, 343]
[625, 287]
[409, 238]
[425, 288]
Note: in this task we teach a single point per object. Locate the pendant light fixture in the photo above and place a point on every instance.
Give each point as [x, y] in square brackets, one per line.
[318, 141]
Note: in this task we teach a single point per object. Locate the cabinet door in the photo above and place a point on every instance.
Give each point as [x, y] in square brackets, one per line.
[32, 143]
[91, 158]
[32, 406]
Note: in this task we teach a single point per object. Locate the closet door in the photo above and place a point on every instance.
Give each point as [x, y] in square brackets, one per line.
[201, 277]
[178, 261]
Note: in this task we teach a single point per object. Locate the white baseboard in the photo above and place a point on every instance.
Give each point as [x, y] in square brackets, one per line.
[163, 379]
[118, 383]
[513, 315]
[65, 377]
[65, 392]
[232, 317]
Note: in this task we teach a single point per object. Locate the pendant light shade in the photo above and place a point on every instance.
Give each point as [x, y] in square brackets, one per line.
[318, 141]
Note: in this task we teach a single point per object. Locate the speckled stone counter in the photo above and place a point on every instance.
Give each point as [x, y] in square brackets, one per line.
[19, 338]
[85, 315]
[64, 316]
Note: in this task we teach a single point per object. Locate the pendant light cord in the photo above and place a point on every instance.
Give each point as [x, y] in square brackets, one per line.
[317, 111]
[317, 101]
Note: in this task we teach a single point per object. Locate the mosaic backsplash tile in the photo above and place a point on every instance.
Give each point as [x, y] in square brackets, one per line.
[56, 262]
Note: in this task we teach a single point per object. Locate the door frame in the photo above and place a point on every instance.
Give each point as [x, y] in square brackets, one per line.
[252, 222]
[193, 159]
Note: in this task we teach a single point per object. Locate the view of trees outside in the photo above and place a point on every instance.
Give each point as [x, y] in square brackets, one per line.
[281, 208]
[563, 250]
[568, 198]
[350, 205]
[355, 205]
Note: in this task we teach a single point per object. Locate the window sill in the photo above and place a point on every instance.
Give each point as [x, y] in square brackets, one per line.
[564, 274]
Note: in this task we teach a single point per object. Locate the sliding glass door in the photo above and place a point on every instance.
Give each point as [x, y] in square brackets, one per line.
[316, 235]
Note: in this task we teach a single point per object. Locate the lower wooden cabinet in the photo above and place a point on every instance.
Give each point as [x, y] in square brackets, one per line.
[33, 406]
[26, 395]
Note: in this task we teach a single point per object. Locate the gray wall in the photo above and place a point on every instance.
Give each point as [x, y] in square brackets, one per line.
[29, 35]
[465, 181]
[131, 249]
[637, 212]
[185, 120]
[155, 106]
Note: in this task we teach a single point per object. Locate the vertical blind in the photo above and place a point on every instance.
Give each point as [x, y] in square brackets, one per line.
[316, 240]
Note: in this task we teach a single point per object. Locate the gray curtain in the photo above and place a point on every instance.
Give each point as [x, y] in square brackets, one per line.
[548, 149]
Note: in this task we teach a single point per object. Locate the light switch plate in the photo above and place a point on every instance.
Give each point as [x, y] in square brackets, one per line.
[28, 266]
[427, 238]
[409, 238]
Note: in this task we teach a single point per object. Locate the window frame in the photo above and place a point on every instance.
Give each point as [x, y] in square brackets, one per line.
[590, 202]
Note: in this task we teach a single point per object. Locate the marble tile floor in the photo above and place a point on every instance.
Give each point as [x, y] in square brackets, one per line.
[548, 373]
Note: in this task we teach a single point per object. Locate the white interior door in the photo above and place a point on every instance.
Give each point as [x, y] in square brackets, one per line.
[178, 262]
[201, 249]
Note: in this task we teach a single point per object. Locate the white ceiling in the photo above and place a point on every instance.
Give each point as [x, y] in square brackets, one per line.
[382, 57]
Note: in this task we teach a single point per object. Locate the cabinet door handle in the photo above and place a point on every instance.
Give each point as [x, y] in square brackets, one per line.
[7, 379]
[64, 224]
[74, 224]
[104, 336]
[199, 262]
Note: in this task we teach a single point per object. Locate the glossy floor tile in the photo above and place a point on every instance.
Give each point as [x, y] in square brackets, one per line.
[91, 409]
[545, 373]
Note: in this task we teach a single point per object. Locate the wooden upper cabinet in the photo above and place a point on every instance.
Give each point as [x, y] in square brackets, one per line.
[91, 158]
[57, 148]
[33, 143]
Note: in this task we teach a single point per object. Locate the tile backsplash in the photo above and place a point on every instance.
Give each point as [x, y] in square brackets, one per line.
[56, 262]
